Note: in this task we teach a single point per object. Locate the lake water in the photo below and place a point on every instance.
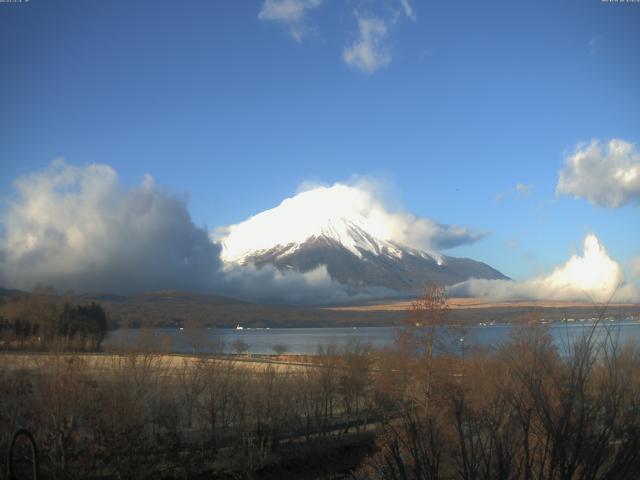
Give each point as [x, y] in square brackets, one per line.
[307, 340]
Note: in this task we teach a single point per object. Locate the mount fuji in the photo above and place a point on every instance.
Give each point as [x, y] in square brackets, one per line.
[356, 237]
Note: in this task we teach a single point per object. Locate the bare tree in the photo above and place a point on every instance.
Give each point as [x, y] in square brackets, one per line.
[419, 335]
[191, 379]
[354, 380]
[216, 402]
[279, 348]
[240, 346]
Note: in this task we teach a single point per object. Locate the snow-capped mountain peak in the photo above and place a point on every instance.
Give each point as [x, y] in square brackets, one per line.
[359, 242]
[347, 215]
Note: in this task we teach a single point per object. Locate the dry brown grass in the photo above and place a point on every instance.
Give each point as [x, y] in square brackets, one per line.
[476, 303]
[32, 361]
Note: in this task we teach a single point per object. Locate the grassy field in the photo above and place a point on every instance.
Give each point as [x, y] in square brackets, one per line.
[31, 361]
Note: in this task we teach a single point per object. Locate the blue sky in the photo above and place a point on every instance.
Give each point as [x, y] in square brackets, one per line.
[237, 109]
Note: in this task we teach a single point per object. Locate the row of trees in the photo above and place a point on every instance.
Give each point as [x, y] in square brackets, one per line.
[518, 412]
[46, 321]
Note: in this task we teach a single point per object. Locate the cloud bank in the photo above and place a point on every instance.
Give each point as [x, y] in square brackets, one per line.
[76, 227]
[267, 284]
[607, 175]
[369, 52]
[591, 276]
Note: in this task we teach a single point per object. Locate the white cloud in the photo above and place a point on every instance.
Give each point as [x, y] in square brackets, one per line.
[290, 13]
[607, 175]
[269, 285]
[75, 227]
[369, 52]
[590, 276]
[407, 7]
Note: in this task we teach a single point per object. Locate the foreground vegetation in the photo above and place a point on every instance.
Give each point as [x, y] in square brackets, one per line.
[45, 321]
[520, 411]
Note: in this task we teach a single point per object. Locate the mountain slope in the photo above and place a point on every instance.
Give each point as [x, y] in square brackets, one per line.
[175, 308]
[405, 271]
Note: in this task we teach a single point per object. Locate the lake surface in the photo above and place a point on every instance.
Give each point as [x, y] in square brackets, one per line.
[307, 340]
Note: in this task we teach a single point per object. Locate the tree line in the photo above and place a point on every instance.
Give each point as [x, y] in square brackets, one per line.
[46, 321]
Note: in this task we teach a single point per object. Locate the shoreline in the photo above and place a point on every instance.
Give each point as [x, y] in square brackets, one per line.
[463, 303]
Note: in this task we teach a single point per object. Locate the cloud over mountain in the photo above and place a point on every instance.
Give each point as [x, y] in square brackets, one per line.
[267, 284]
[350, 231]
[590, 276]
[607, 175]
[334, 210]
[77, 227]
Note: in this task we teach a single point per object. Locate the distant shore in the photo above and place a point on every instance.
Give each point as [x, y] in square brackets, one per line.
[477, 303]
